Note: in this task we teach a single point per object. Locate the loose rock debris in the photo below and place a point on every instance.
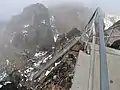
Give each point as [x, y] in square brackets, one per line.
[58, 76]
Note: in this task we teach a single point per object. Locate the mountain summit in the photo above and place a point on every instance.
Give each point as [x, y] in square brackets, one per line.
[32, 27]
[26, 32]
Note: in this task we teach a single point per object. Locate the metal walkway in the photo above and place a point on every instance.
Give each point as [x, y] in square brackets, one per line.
[81, 77]
[80, 81]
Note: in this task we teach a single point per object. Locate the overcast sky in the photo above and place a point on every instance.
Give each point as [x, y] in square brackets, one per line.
[13, 7]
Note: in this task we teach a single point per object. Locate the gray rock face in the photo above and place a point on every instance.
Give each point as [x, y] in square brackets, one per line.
[32, 28]
[70, 15]
[28, 31]
[73, 33]
[113, 42]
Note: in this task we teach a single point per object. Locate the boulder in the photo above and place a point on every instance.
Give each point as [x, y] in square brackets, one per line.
[73, 33]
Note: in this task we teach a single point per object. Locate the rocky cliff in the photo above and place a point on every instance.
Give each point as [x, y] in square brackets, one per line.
[109, 20]
[32, 28]
[26, 33]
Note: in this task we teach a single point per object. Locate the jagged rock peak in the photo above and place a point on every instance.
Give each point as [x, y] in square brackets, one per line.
[35, 21]
[110, 19]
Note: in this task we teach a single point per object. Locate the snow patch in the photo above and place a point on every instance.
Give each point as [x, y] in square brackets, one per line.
[52, 19]
[7, 61]
[28, 70]
[54, 29]
[57, 63]
[37, 64]
[52, 26]
[25, 32]
[11, 41]
[19, 71]
[22, 75]
[3, 75]
[66, 38]
[53, 47]
[49, 57]
[20, 84]
[109, 20]
[56, 34]
[1, 86]
[55, 76]
[47, 72]
[40, 54]
[25, 26]
[45, 60]
[43, 21]
[55, 38]
[31, 76]
[52, 68]
[8, 82]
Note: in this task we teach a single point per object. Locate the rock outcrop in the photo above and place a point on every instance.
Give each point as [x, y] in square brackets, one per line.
[26, 33]
[114, 32]
[73, 33]
[32, 28]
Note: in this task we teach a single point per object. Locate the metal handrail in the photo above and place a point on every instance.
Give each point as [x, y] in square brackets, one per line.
[97, 18]
[104, 84]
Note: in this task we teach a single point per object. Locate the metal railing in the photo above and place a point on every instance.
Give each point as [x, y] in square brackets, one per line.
[97, 20]
[104, 84]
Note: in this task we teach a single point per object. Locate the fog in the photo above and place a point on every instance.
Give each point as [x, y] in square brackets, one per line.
[9, 8]
[33, 33]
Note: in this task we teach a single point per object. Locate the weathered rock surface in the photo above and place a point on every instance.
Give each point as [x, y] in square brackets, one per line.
[114, 32]
[73, 33]
[26, 33]
[32, 28]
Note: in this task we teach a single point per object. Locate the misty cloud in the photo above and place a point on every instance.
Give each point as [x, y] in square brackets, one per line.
[9, 8]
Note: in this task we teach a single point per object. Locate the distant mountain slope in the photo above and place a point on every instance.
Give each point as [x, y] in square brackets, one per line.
[109, 20]
[68, 16]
